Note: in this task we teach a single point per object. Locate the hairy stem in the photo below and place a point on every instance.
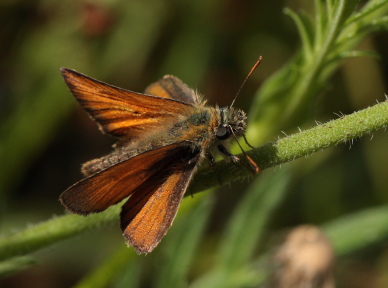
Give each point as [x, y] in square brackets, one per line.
[305, 143]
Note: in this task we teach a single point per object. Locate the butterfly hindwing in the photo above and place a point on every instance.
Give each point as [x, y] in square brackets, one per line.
[150, 211]
[121, 112]
[108, 187]
[172, 87]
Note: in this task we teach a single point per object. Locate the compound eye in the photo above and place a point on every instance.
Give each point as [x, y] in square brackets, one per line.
[223, 133]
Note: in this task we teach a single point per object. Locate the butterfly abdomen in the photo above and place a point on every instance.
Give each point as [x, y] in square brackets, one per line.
[124, 151]
[121, 153]
[96, 165]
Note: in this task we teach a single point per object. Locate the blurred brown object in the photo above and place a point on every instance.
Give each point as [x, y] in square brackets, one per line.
[97, 19]
[304, 260]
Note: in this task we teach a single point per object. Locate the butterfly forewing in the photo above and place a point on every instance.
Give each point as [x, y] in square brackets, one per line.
[150, 211]
[103, 189]
[122, 112]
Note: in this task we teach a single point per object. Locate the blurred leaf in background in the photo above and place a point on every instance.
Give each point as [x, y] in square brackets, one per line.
[317, 62]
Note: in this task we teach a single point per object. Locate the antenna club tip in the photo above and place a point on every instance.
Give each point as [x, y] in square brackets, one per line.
[257, 63]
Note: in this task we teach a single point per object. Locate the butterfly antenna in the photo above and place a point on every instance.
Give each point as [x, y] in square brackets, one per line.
[250, 73]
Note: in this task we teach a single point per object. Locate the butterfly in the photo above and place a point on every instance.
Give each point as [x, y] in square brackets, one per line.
[164, 134]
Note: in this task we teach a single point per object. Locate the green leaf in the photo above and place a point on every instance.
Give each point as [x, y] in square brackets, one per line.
[369, 8]
[246, 228]
[358, 231]
[107, 273]
[248, 223]
[183, 245]
[306, 31]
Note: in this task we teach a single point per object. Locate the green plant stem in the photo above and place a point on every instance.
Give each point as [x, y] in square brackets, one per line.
[51, 231]
[342, 130]
[15, 265]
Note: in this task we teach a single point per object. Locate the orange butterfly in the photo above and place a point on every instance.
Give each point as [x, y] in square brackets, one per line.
[163, 135]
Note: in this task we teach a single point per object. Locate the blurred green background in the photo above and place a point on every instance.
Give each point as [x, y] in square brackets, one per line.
[211, 46]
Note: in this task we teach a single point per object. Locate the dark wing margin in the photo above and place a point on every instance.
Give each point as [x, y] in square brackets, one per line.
[121, 112]
[150, 211]
[110, 186]
[172, 87]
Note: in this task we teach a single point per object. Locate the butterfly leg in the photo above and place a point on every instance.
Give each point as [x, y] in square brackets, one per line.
[226, 152]
[252, 167]
[211, 159]
[213, 162]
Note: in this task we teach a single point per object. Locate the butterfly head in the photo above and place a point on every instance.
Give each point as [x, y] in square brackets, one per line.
[232, 122]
